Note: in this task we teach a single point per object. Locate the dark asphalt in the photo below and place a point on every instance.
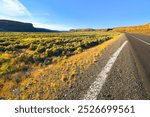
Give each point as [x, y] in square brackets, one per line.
[126, 79]
[142, 55]
[142, 51]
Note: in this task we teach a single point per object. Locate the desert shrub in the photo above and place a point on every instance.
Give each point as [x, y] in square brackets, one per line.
[49, 45]
[57, 51]
[36, 42]
[45, 46]
[32, 47]
[10, 48]
[2, 49]
[5, 57]
[91, 44]
[49, 53]
[21, 46]
[40, 49]
[47, 61]
[26, 58]
[5, 44]
[2, 40]
[11, 67]
[78, 50]
[4, 69]
[37, 59]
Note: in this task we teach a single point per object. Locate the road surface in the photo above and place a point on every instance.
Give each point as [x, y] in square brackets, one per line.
[123, 72]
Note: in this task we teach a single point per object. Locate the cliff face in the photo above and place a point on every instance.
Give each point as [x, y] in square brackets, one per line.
[15, 26]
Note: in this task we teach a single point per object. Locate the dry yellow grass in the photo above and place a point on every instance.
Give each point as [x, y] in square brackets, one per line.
[5, 56]
[47, 83]
[27, 51]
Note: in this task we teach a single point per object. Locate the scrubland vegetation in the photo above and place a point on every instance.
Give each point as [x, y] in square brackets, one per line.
[134, 29]
[41, 65]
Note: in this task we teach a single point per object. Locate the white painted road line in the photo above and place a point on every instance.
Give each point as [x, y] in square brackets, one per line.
[140, 40]
[96, 87]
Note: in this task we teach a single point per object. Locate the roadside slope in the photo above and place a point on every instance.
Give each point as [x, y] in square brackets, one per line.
[80, 88]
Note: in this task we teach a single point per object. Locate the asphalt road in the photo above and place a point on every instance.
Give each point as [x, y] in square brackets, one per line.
[122, 72]
[141, 47]
[129, 77]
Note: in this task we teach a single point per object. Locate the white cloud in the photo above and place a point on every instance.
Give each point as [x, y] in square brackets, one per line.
[15, 10]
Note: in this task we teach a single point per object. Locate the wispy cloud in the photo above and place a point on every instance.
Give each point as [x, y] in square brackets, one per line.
[15, 10]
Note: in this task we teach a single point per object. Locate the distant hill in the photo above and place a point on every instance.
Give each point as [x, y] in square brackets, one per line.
[135, 29]
[140, 28]
[90, 29]
[15, 26]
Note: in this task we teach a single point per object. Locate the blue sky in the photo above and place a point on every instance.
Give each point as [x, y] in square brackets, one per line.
[67, 14]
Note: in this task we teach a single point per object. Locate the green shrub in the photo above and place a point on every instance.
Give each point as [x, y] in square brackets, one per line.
[12, 66]
[78, 50]
[2, 49]
[40, 49]
[49, 53]
[21, 46]
[5, 44]
[47, 61]
[10, 48]
[26, 58]
[32, 47]
[37, 59]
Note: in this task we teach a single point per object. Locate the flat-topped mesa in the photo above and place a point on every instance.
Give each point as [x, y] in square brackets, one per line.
[16, 26]
[6, 25]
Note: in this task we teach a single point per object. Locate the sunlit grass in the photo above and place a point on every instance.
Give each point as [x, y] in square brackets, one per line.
[37, 73]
